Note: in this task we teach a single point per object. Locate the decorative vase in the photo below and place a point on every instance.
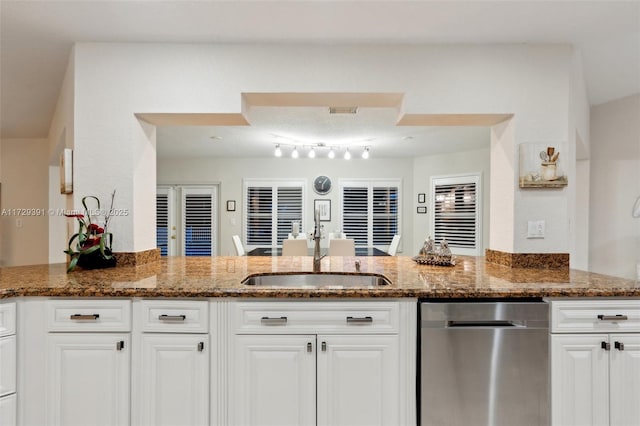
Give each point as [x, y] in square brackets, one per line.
[96, 260]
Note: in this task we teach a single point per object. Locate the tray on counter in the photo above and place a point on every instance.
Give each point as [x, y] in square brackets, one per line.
[435, 259]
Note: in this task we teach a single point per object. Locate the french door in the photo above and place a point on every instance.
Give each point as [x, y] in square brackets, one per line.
[187, 220]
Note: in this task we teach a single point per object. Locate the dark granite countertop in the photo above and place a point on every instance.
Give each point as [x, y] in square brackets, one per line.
[471, 277]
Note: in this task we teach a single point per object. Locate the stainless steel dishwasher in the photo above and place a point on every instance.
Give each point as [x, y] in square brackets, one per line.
[484, 363]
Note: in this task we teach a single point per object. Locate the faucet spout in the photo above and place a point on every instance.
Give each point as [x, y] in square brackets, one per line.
[316, 246]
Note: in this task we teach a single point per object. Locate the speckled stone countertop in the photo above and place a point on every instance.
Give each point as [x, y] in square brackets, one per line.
[472, 277]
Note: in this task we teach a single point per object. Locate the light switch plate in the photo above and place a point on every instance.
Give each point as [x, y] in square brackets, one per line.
[535, 229]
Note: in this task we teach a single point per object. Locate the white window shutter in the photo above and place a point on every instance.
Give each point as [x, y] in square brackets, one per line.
[198, 217]
[370, 211]
[456, 213]
[270, 209]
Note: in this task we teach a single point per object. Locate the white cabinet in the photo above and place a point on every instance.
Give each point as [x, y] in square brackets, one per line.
[325, 363]
[171, 363]
[88, 379]
[358, 380]
[88, 362]
[595, 362]
[8, 409]
[274, 380]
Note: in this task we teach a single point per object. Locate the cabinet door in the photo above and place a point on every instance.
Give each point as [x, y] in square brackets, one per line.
[174, 380]
[274, 380]
[88, 379]
[625, 379]
[358, 380]
[579, 380]
[8, 410]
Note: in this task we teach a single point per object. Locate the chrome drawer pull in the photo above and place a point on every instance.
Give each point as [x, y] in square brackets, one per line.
[359, 320]
[606, 346]
[613, 317]
[619, 346]
[273, 321]
[82, 317]
[172, 317]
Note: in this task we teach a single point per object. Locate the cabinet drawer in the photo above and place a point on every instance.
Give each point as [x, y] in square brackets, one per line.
[590, 316]
[7, 365]
[88, 315]
[174, 316]
[315, 317]
[7, 319]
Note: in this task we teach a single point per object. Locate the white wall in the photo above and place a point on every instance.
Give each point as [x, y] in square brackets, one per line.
[614, 236]
[61, 136]
[24, 180]
[424, 168]
[114, 81]
[229, 173]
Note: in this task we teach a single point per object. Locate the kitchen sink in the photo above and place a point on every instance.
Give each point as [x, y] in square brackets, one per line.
[317, 280]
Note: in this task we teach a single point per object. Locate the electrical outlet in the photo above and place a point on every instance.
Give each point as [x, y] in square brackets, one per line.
[535, 229]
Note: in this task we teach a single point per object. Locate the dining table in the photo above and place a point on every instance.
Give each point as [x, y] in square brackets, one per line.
[277, 251]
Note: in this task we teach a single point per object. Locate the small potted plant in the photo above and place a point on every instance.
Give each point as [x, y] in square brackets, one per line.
[90, 247]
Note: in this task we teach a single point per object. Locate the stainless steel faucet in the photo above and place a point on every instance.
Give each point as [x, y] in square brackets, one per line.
[316, 238]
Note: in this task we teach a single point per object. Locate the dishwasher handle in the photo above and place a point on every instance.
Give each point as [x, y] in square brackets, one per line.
[485, 324]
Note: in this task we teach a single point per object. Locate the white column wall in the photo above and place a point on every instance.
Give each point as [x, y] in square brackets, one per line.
[614, 235]
[114, 81]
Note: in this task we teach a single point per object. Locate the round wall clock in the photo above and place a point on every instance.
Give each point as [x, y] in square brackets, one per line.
[322, 185]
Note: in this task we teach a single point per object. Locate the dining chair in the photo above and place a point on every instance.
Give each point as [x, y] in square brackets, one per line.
[337, 236]
[237, 243]
[301, 236]
[393, 247]
[294, 247]
[342, 247]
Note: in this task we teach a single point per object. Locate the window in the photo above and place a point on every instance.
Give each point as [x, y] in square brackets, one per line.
[370, 211]
[271, 208]
[196, 216]
[456, 212]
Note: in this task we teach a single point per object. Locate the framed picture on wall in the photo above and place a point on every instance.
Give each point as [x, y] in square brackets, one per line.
[421, 210]
[324, 207]
[66, 171]
[231, 205]
[422, 198]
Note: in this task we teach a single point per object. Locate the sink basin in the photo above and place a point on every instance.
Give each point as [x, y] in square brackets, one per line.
[319, 280]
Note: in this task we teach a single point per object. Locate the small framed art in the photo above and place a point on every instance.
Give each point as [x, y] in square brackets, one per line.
[231, 205]
[324, 207]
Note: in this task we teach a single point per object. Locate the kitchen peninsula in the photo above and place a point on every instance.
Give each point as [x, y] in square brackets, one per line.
[222, 277]
[183, 341]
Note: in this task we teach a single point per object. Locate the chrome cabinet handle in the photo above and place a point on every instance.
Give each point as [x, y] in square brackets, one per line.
[200, 346]
[309, 347]
[273, 321]
[324, 346]
[359, 320]
[120, 345]
[606, 346]
[619, 346]
[84, 317]
[172, 317]
[617, 317]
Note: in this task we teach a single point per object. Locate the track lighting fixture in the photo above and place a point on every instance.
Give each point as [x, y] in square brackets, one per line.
[294, 153]
[347, 155]
[312, 153]
[365, 153]
[278, 152]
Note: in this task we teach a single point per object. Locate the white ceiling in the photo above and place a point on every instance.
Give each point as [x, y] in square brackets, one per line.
[36, 38]
[304, 127]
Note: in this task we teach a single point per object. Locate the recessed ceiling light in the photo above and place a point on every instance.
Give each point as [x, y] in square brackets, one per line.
[343, 110]
[406, 138]
[214, 137]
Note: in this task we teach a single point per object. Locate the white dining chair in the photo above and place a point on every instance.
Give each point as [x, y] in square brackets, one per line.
[294, 247]
[342, 247]
[237, 243]
[337, 236]
[393, 247]
[301, 236]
